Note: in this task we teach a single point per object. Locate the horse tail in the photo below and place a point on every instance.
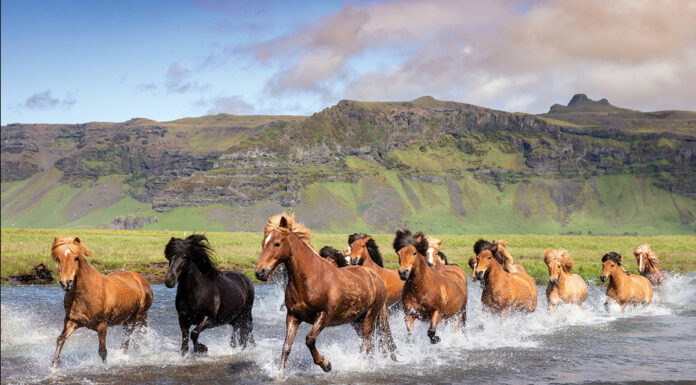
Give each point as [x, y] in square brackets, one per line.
[385, 334]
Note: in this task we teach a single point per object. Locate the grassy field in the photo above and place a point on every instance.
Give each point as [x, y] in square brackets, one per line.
[142, 251]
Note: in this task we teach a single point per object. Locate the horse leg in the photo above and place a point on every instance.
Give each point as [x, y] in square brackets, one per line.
[184, 336]
[129, 326]
[68, 328]
[246, 329]
[101, 332]
[462, 321]
[291, 324]
[409, 318]
[199, 348]
[319, 324]
[368, 326]
[434, 320]
[385, 333]
[236, 335]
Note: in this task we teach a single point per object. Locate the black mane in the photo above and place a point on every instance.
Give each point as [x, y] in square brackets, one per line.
[328, 252]
[483, 244]
[405, 238]
[444, 257]
[612, 256]
[196, 249]
[371, 245]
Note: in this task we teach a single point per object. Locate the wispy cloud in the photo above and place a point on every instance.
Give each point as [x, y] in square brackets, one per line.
[44, 101]
[233, 104]
[178, 80]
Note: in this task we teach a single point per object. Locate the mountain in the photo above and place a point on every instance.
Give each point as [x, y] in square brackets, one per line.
[439, 166]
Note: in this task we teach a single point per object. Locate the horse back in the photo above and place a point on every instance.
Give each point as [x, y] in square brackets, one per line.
[238, 285]
[126, 292]
[643, 285]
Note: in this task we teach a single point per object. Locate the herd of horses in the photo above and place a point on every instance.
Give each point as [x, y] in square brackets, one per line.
[330, 288]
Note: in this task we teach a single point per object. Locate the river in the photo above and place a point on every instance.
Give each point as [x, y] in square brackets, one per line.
[572, 345]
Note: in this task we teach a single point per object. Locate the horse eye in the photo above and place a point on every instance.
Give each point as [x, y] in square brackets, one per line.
[489, 257]
[277, 244]
[363, 246]
[75, 258]
[414, 253]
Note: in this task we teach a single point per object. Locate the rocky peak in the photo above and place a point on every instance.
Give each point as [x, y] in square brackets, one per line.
[581, 103]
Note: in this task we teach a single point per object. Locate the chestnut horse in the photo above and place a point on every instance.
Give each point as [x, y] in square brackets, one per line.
[499, 249]
[365, 252]
[334, 256]
[438, 260]
[320, 293]
[624, 288]
[504, 291]
[428, 293]
[95, 301]
[648, 264]
[564, 286]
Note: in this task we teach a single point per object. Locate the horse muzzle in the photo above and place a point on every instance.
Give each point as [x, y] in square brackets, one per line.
[262, 274]
[169, 282]
[354, 260]
[553, 281]
[404, 274]
[66, 285]
[603, 278]
[478, 274]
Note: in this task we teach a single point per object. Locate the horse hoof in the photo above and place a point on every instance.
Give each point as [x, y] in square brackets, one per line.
[394, 357]
[434, 340]
[200, 349]
[326, 365]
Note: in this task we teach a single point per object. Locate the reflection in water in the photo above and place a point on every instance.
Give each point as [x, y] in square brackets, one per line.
[571, 345]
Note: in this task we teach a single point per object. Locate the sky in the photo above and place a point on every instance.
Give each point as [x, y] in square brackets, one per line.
[82, 61]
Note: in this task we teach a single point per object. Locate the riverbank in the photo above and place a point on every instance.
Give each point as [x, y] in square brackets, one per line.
[143, 251]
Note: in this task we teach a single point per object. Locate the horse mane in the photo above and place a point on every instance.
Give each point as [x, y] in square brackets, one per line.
[295, 227]
[405, 237]
[649, 252]
[437, 243]
[328, 252]
[196, 249]
[60, 244]
[371, 245]
[561, 256]
[499, 250]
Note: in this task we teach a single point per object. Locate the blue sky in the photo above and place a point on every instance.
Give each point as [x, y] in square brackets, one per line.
[80, 61]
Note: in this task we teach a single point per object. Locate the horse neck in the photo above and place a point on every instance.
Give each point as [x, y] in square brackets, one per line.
[494, 271]
[619, 277]
[302, 262]
[649, 268]
[191, 276]
[87, 277]
[563, 278]
[368, 261]
[422, 273]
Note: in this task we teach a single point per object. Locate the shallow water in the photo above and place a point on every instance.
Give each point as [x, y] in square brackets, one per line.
[573, 345]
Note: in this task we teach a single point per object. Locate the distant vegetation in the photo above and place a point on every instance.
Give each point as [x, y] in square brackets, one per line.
[143, 251]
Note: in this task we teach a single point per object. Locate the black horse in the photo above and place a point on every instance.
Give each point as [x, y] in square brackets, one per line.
[207, 297]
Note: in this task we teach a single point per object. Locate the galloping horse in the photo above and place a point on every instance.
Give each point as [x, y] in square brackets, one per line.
[438, 260]
[648, 264]
[564, 286]
[207, 297]
[95, 301]
[334, 256]
[365, 252]
[428, 293]
[624, 288]
[320, 293]
[499, 249]
[504, 291]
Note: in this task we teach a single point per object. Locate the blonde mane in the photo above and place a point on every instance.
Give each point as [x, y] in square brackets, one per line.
[296, 228]
[649, 253]
[433, 242]
[561, 256]
[61, 245]
[502, 248]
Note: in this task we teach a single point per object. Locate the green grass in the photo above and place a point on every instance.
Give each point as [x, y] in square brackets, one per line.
[142, 251]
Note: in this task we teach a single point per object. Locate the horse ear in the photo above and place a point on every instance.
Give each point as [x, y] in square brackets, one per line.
[367, 238]
[418, 240]
[77, 240]
[283, 222]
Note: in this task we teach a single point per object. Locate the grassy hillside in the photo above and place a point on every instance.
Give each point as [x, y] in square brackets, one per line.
[143, 250]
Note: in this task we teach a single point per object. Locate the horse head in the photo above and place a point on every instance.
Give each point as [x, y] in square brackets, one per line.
[484, 260]
[409, 247]
[180, 252]
[68, 252]
[275, 246]
[558, 261]
[433, 251]
[646, 258]
[610, 263]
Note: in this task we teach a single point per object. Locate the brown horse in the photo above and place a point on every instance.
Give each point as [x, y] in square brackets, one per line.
[564, 286]
[499, 249]
[624, 288]
[648, 264]
[438, 260]
[365, 252]
[428, 293]
[504, 291]
[320, 293]
[95, 301]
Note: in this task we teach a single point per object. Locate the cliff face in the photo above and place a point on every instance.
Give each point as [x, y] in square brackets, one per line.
[272, 161]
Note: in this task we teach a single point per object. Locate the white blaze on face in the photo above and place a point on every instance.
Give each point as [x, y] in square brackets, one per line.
[347, 257]
[640, 263]
[268, 238]
[430, 255]
[67, 251]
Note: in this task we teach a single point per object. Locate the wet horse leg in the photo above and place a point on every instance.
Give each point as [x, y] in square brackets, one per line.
[291, 324]
[197, 347]
[68, 328]
[101, 332]
[434, 320]
[246, 329]
[184, 335]
[129, 326]
[319, 324]
[368, 327]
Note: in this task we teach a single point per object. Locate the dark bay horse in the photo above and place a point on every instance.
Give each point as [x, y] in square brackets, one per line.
[334, 256]
[319, 293]
[648, 264]
[504, 291]
[428, 293]
[365, 252]
[207, 297]
[624, 288]
[95, 301]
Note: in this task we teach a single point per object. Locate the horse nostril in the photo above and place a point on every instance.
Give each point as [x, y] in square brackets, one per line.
[261, 274]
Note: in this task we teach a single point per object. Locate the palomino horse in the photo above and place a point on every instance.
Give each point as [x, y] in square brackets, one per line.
[365, 252]
[334, 256]
[648, 264]
[207, 297]
[624, 288]
[428, 293]
[320, 293]
[504, 291]
[564, 286]
[438, 260]
[95, 301]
